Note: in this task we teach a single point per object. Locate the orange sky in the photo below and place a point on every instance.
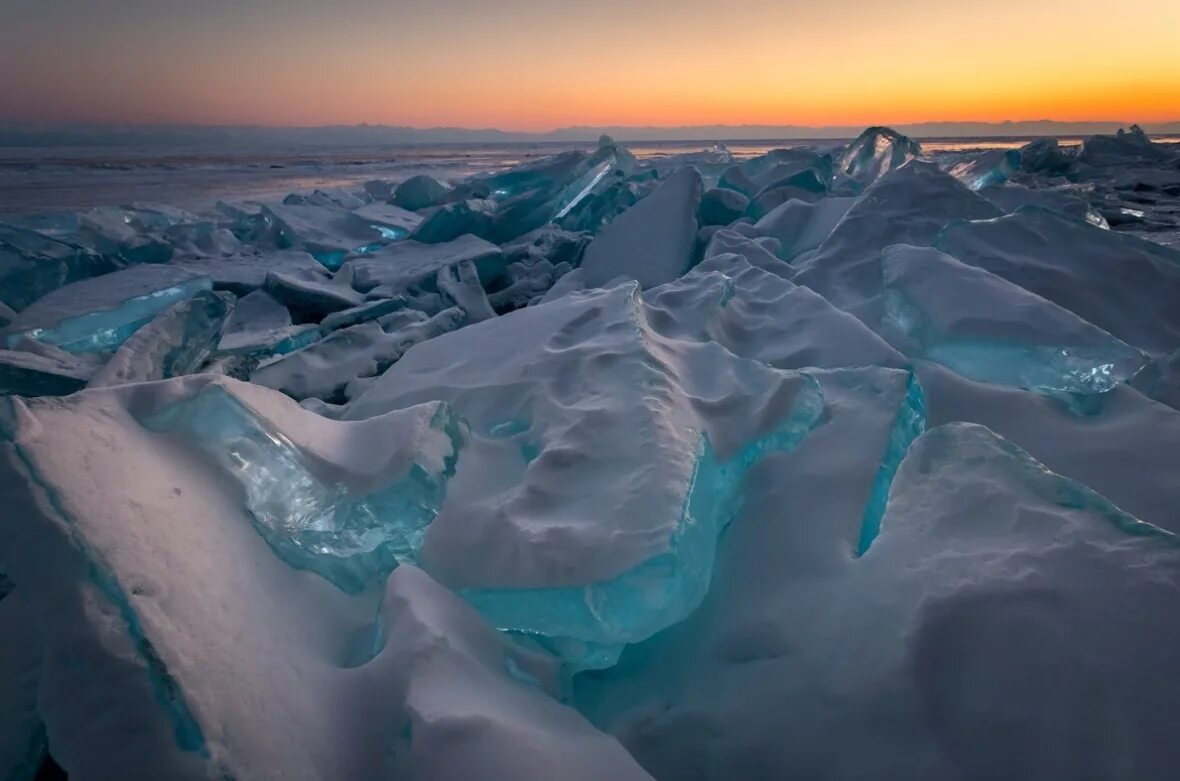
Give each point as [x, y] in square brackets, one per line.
[539, 64]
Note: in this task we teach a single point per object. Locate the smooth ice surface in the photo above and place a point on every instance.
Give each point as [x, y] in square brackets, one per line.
[176, 342]
[653, 241]
[1124, 285]
[991, 330]
[99, 314]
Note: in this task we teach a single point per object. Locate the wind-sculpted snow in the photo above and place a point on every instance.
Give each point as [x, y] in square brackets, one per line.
[829, 462]
[663, 430]
[996, 595]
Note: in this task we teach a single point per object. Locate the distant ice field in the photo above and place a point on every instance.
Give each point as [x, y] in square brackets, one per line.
[41, 179]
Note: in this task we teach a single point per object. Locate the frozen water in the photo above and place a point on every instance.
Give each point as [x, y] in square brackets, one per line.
[311, 299]
[22, 735]
[721, 206]
[967, 613]
[98, 314]
[330, 368]
[419, 192]
[1124, 285]
[874, 153]
[176, 342]
[986, 169]
[260, 324]
[624, 476]
[408, 265]
[666, 426]
[350, 528]
[991, 330]
[652, 242]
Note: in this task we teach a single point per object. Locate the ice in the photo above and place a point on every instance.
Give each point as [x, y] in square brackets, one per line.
[27, 373]
[1121, 448]
[1160, 379]
[33, 264]
[352, 528]
[460, 283]
[721, 207]
[757, 315]
[362, 313]
[759, 252]
[991, 330]
[22, 735]
[177, 341]
[408, 265]
[1044, 156]
[652, 242]
[419, 192]
[1124, 285]
[662, 429]
[98, 314]
[122, 234]
[329, 233]
[330, 368]
[670, 467]
[998, 596]
[260, 324]
[311, 299]
[874, 153]
[909, 205]
[1011, 197]
[985, 169]
[391, 222]
[169, 621]
[244, 274]
[1124, 148]
[800, 226]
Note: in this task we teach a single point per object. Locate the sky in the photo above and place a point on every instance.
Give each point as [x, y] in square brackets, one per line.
[538, 65]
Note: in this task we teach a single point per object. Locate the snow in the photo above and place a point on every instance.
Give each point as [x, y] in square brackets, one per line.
[824, 462]
[988, 329]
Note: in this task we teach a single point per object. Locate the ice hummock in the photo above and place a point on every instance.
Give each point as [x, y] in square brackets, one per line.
[991, 330]
[683, 517]
[100, 313]
[667, 435]
[874, 153]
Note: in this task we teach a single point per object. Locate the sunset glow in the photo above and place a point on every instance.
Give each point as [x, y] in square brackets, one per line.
[531, 65]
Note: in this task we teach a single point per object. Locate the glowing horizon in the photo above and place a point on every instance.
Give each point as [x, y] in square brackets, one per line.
[535, 66]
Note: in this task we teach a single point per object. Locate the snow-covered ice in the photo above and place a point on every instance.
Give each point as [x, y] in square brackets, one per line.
[829, 462]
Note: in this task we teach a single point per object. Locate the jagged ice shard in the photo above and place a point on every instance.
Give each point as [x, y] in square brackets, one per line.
[837, 461]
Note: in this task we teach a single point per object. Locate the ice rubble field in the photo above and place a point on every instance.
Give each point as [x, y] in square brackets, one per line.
[823, 465]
